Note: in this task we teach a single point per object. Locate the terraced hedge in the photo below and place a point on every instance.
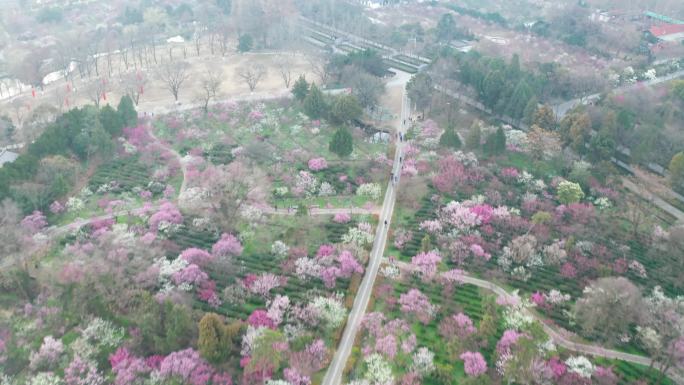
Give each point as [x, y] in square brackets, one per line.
[128, 172]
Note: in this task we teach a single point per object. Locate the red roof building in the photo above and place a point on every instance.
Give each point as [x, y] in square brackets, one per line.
[668, 32]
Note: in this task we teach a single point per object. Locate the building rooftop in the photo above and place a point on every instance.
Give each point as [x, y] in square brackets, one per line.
[667, 29]
[7, 157]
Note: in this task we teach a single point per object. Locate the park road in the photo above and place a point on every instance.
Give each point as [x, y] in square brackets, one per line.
[335, 371]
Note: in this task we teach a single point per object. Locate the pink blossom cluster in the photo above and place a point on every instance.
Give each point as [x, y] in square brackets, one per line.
[417, 303]
[389, 336]
[343, 266]
[197, 256]
[293, 376]
[509, 174]
[191, 275]
[479, 252]
[228, 245]
[167, 213]
[56, 207]
[81, 372]
[262, 285]
[458, 325]
[474, 363]
[431, 226]
[426, 264]
[259, 318]
[317, 164]
[402, 237]
[34, 222]
[507, 340]
[450, 173]
[342, 218]
[187, 366]
[430, 129]
[256, 115]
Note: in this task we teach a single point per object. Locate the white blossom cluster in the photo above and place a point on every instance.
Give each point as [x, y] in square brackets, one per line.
[279, 249]
[379, 371]
[580, 365]
[371, 190]
[330, 310]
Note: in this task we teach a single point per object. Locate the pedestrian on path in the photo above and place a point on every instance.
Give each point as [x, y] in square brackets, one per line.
[385, 222]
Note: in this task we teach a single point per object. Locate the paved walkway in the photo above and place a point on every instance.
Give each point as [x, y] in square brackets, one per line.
[557, 335]
[654, 199]
[335, 371]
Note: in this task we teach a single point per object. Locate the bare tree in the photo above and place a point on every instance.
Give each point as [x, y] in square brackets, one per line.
[251, 75]
[609, 306]
[134, 84]
[319, 67]
[234, 187]
[174, 75]
[285, 69]
[19, 108]
[97, 90]
[211, 83]
[10, 231]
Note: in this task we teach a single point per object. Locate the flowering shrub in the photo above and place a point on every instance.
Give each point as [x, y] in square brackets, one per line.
[580, 365]
[342, 218]
[279, 249]
[414, 301]
[228, 245]
[80, 372]
[56, 207]
[378, 370]
[196, 256]
[371, 190]
[306, 184]
[330, 310]
[474, 364]
[425, 264]
[168, 213]
[317, 164]
[48, 355]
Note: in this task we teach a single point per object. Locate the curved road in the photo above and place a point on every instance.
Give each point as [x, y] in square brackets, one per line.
[557, 336]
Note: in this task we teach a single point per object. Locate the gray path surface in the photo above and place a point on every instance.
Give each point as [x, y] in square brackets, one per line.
[335, 371]
[558, 336]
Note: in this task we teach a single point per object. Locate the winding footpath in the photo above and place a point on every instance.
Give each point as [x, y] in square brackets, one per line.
[558, 336]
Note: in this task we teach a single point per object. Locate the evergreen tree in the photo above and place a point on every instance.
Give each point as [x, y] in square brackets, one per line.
[127, 111]
[450, 139]
[474, 137]
[426, 243]
[500, 141]
[517, 103]
[495, 143]
[530, 110]
[302, 210]
[545, 118]
[601, 146]
[245, 43]
[446, 28]
[345, 108]
[300, 88]
[342, 143]
[676, 169]
[212, 342]
[111, 121]
[513, 71]
[492, 88]
[314, 103]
